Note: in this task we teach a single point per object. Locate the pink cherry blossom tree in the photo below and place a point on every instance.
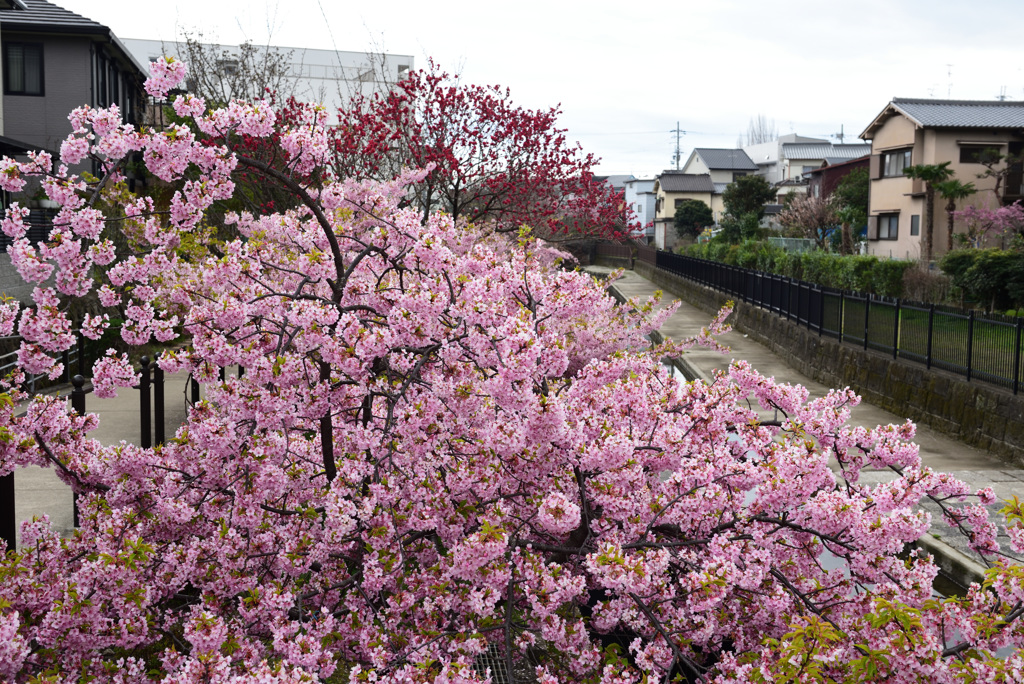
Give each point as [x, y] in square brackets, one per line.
[1005, 222]
[444, 445]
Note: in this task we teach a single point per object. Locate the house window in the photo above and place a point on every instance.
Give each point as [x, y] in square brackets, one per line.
[678, 203]
[888, 226]
[894, 162]
[915, 224]
[738, 174]
[978, 154]
[23, 68]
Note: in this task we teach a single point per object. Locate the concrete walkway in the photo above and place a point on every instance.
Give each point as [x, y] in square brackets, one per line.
[39, 490]
[939, 452]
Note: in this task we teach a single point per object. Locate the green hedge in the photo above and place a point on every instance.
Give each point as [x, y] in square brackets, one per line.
[866, 274]
[992, 277]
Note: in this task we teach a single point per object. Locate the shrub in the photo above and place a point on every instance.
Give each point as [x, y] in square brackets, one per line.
[923, 285]
[887, 276]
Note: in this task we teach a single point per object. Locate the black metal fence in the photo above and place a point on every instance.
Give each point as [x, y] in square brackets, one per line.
[982, 347]
[151, 424]
[39, 222]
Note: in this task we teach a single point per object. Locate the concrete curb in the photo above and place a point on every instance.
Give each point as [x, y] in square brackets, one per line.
[954, 565]
[686, 369]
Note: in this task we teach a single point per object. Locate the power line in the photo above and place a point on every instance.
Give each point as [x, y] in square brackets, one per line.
[646, 133]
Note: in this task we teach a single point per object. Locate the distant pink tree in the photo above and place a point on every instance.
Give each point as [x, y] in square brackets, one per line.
[445, 444]
[1004, 222]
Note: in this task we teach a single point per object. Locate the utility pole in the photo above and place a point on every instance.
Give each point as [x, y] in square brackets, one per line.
[679, 152]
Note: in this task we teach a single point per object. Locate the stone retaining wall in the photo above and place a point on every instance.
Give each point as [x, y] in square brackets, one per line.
[613, 262]
[981, 415]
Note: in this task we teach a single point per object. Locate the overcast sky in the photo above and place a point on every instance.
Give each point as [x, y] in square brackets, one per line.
[625, 72]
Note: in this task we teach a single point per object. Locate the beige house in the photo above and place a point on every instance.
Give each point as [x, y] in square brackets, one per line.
[670, 189]
[911, 132]
[723, 166]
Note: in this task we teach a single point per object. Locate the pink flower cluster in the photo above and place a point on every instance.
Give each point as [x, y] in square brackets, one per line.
[164, 74]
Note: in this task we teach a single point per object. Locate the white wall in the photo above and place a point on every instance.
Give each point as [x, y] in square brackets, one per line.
[328, 77]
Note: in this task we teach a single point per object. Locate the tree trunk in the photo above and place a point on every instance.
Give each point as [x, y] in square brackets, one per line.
[846, 248]
[929, 210]
[950, 208]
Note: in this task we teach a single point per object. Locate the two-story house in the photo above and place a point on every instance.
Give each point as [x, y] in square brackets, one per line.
[966, 133]
[723, 166]
[53, 61]
[670, 189]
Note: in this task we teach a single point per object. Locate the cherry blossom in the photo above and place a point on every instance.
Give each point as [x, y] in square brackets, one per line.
[446, 442]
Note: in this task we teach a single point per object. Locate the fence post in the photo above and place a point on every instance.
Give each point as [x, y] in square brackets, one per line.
[144, 411]
[194, 386]
[78, 406]
[931, 321]
[970, 342]
[821, 310]
[222, 374]
[842, 316]
[65, 358]
[896, 330]
[81, 353]
[158, 404]
[1016, 357]
[867, 309]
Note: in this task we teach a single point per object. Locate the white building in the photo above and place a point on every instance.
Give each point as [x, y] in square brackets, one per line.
[329, 77]
[770, 159]
[641, 199]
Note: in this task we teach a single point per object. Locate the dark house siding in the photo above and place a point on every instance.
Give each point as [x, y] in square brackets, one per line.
[827, 178]
[42, 121]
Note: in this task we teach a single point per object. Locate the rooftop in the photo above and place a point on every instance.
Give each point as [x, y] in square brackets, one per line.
[824, 151]
[724, 159]
[674, 181]
[952, 114]
[40, 15]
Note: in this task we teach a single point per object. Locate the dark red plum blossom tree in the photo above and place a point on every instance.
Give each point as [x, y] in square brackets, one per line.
[489, 159]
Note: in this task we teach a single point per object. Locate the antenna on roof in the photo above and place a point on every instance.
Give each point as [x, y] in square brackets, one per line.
[1002, 94]
[677, 157]
[840, 134]
[949, 83]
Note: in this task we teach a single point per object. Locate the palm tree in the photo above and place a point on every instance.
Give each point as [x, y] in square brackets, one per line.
[951, 191]
[930, 174]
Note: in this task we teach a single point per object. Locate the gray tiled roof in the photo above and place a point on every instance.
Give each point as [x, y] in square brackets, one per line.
[963, 113]
[686, 182]
[617, 180]
[40, 15]
[826, 151]
[725, 160]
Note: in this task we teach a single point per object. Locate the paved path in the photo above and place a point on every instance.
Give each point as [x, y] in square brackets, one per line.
[39, 490]
[939, 452]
